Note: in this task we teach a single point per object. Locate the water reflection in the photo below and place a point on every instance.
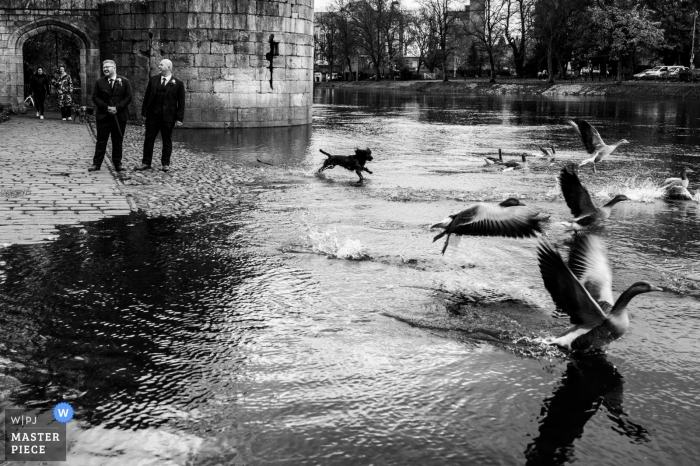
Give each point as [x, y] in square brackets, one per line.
[588, 383]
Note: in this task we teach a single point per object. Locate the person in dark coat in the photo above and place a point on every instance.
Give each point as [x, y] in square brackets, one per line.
[111, 95]
[39, 85]
[164, 109]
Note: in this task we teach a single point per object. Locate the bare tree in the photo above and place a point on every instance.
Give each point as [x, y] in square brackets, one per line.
[326, 37]
[441, 16]
[420, 38]
[371, 20]
[346, 38]
[518, 28]
[487, 27]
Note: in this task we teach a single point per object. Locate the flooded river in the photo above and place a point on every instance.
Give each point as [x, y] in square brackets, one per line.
[315, 321]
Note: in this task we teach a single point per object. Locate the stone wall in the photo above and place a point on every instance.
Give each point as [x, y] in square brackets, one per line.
[218, 49]
[22, 19]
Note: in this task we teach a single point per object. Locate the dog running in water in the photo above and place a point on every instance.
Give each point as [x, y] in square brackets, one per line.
[354, 163]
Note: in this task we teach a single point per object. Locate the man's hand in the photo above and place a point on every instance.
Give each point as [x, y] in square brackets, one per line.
[178, 124]
[112, 110]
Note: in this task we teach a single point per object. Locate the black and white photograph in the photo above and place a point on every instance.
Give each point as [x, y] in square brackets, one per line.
[349, 232]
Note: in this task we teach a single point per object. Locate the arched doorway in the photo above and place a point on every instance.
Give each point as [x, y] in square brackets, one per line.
[49, 50]
[88, 54]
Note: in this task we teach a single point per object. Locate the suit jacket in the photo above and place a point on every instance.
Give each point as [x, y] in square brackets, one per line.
[173, 101]
[119, 96]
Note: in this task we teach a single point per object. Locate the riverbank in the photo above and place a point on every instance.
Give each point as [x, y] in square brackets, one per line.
[196, 181]
[530, 87]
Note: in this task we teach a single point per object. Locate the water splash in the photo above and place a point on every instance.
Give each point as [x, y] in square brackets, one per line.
[328, 243]
[645, 191]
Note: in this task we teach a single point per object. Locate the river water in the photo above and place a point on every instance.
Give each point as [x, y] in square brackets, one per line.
[315, 322]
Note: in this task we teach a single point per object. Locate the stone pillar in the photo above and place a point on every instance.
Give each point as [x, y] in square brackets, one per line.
[218, 48]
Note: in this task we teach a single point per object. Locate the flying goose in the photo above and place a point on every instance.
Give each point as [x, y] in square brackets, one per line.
[583, 290]
[510, 218]
[682, 181]
[585, 213]
[593, 142]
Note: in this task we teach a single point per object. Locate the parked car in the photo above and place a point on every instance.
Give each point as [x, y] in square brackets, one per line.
[643, 74]
[673, 71]
[656, 72]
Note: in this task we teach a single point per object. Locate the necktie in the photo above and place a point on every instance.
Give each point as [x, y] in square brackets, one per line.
[111, 83]
[163, 83]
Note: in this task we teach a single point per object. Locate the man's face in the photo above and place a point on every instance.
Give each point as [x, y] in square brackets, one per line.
[108, 69]
[39, 71]
[163, 67]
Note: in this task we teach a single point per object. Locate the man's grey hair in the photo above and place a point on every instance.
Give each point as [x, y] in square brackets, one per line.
[168, 63]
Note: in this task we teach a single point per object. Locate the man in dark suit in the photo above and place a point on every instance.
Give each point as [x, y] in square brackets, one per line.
[164, 109]
[111, 96]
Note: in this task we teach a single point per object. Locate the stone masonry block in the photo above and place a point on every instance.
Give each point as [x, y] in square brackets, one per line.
[203, 6]
[176, 6]
[224, 7]
[223, 87]
[210, 61]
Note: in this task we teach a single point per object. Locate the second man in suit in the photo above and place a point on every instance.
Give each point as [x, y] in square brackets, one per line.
[164, 109]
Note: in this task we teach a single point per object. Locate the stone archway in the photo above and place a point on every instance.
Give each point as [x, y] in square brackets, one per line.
[89, 55]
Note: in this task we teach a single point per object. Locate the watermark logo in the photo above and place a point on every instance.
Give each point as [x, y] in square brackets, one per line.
[63, 412]
[35, 434]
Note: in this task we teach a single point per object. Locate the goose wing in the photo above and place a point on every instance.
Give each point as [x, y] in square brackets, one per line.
[678, 193]
[575, 194]
[485, 219]
[546, 152]
[590, 136]
[588, 261]
[672, 182]
[567, 292]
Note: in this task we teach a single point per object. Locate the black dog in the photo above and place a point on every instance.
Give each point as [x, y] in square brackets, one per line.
[354, 163]
[80, 114]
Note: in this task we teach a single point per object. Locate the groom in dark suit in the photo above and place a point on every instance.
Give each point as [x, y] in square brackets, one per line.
[164, 109]
[111, 95]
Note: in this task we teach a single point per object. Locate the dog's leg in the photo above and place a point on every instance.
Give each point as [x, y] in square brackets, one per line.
[367, 170]
[359, 173]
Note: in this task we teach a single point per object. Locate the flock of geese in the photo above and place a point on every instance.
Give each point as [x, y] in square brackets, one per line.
[581, 287]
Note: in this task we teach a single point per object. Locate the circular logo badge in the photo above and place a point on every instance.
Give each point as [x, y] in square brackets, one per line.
[63, 412]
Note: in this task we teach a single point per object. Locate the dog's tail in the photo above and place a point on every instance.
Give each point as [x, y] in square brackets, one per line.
[325, 153]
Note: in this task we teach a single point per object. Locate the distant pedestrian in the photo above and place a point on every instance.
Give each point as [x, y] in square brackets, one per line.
[111, 95]
[164, 109]
[39, 85]
[64, 85]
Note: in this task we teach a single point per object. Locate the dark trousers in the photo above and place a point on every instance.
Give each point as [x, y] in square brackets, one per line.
[39, 101]
[105, 127]
[65, 112]
[155, 125]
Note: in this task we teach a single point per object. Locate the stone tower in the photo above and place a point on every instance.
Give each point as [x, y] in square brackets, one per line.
[244, 62]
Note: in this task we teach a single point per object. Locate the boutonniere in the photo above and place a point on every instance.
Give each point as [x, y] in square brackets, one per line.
[119, 81]
[172, 82]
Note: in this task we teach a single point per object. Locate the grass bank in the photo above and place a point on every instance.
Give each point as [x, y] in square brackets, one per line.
[641, 89]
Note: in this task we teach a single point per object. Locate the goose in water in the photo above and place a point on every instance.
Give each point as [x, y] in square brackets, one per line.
[583, 290]
[682, 181]
[593, 142]
[679, 193]
[585, 213]
[510, 218]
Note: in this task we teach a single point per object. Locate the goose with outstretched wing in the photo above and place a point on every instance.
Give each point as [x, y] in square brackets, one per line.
[583, 290]
[585, 212]
[594, 144]
[510, 218]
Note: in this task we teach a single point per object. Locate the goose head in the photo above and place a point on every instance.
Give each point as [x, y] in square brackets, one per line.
[685, 172]
[642, 287]
[623, 141]
[443, 223]
[511, 202]
[618, 198]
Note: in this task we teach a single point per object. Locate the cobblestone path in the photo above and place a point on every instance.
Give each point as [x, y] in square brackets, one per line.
[44, 180]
